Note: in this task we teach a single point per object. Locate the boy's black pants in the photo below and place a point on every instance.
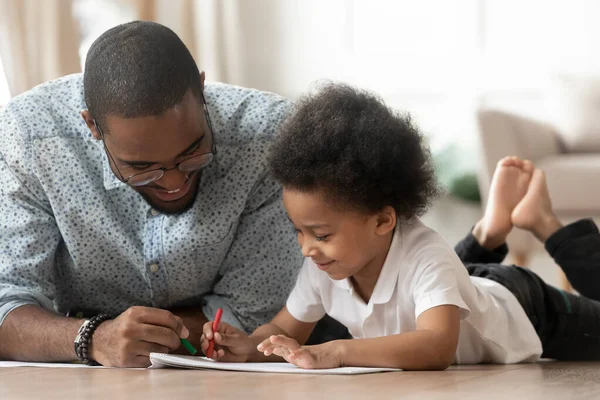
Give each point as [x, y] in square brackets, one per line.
[568, 325]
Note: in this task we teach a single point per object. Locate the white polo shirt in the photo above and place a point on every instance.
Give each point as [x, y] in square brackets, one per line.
[422, 271]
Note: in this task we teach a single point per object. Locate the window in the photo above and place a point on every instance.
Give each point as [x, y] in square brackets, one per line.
[97, 16]
[425, 46]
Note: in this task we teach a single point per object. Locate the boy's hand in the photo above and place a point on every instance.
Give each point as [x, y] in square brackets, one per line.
[309, 357]
[231, 344]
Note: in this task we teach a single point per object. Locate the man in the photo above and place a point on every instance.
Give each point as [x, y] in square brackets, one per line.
[142, 214]
[519, 197]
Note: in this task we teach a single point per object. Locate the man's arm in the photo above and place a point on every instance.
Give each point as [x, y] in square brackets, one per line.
[31, 333]
[30, 330]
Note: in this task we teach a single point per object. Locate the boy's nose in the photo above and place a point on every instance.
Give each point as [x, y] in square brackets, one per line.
[308, 249]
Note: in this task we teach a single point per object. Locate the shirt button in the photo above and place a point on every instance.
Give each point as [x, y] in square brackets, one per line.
[153, 268]
[154, 212]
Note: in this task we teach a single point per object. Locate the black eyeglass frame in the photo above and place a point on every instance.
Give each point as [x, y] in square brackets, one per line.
[213, 151]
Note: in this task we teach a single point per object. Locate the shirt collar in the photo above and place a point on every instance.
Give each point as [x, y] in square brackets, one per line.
[110, 179]
[344, 284]
[388, 277]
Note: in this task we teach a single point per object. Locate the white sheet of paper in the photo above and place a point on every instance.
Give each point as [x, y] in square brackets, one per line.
[7, 364]
[160, 360]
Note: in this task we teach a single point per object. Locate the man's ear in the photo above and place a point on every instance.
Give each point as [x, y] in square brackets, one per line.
[386, 220]
[89, 121]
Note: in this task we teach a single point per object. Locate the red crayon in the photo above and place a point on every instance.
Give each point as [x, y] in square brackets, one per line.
[215, 328]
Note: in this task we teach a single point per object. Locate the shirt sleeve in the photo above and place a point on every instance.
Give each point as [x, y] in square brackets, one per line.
[260, 267]
[305, 303]
[263, 261]
[28, 232]
[437, 284]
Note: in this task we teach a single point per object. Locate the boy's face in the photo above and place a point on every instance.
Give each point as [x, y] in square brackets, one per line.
[341, 243]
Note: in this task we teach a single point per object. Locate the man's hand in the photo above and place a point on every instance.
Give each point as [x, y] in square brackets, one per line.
[194, 320]
[231, 344]
[128, 340]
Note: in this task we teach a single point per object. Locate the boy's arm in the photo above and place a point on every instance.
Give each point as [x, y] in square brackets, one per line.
[431, 347]
[439, 308]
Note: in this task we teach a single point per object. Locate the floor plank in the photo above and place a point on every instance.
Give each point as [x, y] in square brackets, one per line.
[544, 380]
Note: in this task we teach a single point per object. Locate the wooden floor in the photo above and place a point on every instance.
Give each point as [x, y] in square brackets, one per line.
[546, 380]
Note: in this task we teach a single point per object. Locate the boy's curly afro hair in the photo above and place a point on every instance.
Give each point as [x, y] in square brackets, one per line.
[347, 144]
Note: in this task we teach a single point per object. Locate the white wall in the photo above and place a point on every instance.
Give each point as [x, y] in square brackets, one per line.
[439, 59]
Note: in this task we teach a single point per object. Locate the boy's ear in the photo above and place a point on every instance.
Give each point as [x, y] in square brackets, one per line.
[386, 220]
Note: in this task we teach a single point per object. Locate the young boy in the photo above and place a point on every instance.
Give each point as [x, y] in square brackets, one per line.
[356, 177]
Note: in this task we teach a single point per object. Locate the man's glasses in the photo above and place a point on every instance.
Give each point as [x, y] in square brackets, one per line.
[192, 164]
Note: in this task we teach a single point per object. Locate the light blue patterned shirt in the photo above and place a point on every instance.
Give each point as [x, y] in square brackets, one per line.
[72, 236]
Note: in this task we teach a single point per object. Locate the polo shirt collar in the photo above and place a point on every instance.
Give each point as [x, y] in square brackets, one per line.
[388, 277]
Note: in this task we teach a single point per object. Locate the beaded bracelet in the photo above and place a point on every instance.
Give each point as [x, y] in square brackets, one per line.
[84, 338]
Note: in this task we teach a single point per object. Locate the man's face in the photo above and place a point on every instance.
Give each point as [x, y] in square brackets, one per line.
[146, 143]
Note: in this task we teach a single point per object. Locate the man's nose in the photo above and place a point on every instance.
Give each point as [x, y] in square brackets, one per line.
[172, 179]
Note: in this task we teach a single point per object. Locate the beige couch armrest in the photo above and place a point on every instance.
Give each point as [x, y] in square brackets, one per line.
[502, 134]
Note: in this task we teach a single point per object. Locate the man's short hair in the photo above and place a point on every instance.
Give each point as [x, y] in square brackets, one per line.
[138, 69]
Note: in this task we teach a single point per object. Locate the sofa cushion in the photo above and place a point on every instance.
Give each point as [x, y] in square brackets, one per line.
[573, 182]
[573, 107]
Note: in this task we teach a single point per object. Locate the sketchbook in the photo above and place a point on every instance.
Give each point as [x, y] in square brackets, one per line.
[161, 360]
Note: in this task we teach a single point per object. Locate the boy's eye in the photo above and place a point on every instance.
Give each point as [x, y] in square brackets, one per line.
[321, 238]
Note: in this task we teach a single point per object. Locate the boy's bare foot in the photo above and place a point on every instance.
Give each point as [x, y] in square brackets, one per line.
[534, 213]
[509, 185]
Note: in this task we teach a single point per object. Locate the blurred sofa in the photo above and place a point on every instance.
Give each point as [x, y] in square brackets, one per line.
[566, 147]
